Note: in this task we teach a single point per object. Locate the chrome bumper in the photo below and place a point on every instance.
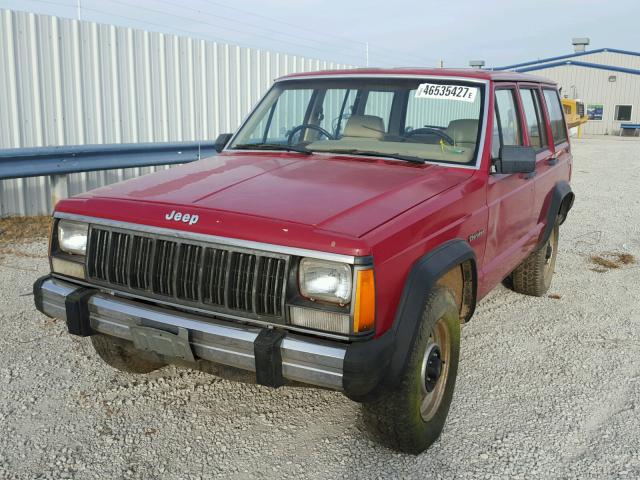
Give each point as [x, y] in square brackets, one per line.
[314, 362]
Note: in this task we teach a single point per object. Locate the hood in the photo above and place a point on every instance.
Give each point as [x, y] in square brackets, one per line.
[345, 195]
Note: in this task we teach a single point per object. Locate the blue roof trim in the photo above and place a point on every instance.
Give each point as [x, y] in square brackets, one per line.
[570, 55]
[579, 64]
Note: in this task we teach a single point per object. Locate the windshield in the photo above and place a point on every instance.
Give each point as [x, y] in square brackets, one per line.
[410, 119]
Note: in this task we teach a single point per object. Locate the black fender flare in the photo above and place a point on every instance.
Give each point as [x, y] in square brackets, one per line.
[562, 198]
[369, 364]
[421, 280]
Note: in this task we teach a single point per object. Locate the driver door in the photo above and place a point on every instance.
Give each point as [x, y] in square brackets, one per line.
[510, 197]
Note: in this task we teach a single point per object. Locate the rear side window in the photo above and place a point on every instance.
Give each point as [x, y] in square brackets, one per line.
[556, 117]
[506, 122]
[533, 114]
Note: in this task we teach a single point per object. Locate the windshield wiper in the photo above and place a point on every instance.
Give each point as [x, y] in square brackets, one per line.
[371, 153]
[272, 146]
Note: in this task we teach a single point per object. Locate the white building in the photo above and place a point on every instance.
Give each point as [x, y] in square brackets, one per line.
[607, 80]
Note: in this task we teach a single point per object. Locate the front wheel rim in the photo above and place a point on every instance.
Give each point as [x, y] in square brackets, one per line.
[550, 253]
[434, 371]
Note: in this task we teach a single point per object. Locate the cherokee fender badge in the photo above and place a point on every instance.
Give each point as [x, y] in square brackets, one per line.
[476, 235]
[182, 217]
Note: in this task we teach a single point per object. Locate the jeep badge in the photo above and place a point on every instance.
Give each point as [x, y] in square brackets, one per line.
[182, 217]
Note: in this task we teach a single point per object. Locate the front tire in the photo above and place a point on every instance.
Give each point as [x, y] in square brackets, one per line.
[121, 355]
[533, 276]
[410, 417]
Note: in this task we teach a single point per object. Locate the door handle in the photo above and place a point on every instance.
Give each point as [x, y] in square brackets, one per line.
[529, 175]
[552, 161]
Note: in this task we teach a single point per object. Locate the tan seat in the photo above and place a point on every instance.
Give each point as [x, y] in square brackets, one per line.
[364, 126]
[464, 132]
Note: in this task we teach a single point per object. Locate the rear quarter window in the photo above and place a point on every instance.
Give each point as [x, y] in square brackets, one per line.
[556, 116]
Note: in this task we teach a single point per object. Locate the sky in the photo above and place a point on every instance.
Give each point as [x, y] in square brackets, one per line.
[395, 32]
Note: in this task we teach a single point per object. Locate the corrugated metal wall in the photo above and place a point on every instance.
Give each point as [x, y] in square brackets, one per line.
[66, 82]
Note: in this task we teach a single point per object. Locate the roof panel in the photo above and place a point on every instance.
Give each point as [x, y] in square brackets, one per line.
[427, 72]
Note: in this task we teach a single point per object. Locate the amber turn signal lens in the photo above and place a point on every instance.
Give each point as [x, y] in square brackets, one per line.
[365, 308]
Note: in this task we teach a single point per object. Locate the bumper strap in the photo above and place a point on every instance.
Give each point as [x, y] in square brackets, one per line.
[77, 308]
[266, 348]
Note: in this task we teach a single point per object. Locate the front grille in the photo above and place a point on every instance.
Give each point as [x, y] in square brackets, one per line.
[214, 277]
[580, 109]
[269, 283]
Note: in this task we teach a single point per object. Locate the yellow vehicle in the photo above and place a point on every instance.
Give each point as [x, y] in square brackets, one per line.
[575, 114]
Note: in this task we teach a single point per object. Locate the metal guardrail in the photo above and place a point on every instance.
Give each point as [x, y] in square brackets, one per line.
[41, 161]
[58, 162]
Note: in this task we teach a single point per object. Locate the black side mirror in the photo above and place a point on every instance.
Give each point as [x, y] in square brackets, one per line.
[222, 141]
[516, 159]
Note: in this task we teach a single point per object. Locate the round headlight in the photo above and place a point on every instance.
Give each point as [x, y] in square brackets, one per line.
[324, 280]
[72, 237]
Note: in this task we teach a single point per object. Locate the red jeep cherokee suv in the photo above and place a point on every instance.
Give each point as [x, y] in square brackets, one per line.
[338, 239]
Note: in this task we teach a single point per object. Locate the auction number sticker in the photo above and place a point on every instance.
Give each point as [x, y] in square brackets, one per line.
[448, 92]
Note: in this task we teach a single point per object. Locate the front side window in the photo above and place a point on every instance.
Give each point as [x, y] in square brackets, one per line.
[623, 113]
[556, 116]
[533, 115]
[427, 119]
[506, 122]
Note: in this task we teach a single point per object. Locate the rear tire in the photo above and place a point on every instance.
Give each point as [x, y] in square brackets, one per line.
[410, 416]
[121, 355]
[533, 276]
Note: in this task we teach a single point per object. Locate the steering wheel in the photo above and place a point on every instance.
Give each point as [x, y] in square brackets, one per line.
[311, 126]
[429, 131]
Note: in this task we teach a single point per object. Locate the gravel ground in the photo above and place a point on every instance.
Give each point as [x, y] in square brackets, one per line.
[547, 388]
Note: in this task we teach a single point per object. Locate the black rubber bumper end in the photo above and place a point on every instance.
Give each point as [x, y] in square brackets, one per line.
[365, 367]
[77, 308]
[37, 293]
[266, 348]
